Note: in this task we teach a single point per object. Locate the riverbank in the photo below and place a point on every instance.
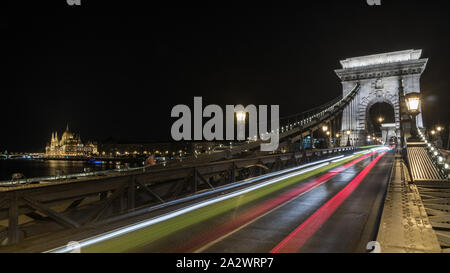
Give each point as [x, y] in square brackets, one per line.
[30, 168]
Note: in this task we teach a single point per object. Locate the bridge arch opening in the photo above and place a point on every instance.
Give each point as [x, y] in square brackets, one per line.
[377, 114]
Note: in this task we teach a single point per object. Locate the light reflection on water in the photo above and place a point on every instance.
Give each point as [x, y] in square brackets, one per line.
[38, 168]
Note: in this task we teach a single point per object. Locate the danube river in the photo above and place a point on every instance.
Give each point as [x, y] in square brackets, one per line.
[38, 167]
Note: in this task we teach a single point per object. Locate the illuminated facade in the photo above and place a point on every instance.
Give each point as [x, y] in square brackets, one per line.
[69, 145]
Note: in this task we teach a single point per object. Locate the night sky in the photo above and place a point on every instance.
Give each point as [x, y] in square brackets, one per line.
[117, 70]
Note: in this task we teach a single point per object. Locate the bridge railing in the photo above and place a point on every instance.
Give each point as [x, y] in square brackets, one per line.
[293, 128]
[103, 200]
[436, 156]
[304, 118]
[60, 177]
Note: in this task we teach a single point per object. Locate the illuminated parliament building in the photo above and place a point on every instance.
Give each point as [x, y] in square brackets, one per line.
[69, 145]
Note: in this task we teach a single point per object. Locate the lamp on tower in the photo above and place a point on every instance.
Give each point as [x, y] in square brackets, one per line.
[240, 116]
[413, 105]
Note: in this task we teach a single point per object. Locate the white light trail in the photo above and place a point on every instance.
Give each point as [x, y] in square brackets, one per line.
[158, 219]
[146, 223]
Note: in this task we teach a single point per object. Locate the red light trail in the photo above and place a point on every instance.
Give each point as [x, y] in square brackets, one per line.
[258, 211]
[294, 241]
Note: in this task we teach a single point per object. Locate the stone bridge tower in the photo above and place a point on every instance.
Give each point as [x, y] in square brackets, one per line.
[382, 78]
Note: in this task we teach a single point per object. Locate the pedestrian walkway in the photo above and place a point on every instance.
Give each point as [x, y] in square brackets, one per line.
[405, 226]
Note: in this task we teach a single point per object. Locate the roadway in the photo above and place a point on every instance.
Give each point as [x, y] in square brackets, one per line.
[326, 208]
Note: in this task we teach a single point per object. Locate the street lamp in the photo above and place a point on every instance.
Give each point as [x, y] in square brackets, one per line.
[337, 140]
[348, 139]
[380, 119]
[325, 130]
[413, 104]
[440, 130]
[240, 116]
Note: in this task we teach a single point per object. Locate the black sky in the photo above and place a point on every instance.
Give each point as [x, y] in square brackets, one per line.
[118, 70]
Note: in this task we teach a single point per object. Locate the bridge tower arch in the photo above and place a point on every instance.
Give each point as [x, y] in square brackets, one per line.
[366, 103]
[382, 78]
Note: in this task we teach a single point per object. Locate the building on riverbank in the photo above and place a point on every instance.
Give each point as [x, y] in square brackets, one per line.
[119, 147]
[69, 145]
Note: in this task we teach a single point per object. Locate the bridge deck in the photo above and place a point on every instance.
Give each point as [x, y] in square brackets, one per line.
[343, 196]
[405, 226]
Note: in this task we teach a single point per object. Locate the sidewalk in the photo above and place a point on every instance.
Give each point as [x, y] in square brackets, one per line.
[405, 226]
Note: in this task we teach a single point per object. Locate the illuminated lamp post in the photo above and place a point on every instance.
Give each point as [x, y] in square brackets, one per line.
[439, 136]
[240, 117]
[338, 142]
[327, 133]
[348, 137]
[413, 104]
[328, 139]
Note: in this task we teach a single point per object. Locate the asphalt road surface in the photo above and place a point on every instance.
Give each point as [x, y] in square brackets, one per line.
[334, 209]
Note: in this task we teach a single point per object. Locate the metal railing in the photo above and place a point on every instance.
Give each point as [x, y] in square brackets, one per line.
[304, 118]
[105, 199]
[62, 177]
[436, 157]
